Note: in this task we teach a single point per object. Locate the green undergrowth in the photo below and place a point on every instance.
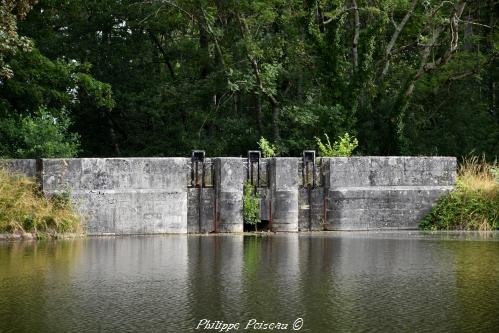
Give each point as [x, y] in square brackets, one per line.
[251, 205]
[25, 209]
[472, 205]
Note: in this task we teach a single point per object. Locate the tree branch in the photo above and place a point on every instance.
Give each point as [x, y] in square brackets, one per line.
[426, 66]
[393, 40]
[156, 41]
[355, 42]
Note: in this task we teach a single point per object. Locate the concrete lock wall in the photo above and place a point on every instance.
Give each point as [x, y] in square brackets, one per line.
[385, 192]
[174, 195]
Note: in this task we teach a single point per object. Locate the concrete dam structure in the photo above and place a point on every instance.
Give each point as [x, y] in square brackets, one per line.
[181, 195]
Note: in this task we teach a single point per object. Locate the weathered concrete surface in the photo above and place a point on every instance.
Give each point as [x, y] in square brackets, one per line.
[263, 189]
[285, 179]
[311, 209]
[201, 198]
[230, 174]
[123, 195]
[201, 210]
[265, 203]
[156, 195]
[385, 192]
[25, 166]
[312, 199]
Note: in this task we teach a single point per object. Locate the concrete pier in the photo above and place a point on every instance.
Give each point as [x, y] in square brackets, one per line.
[284, 188]
[230, 175]
[385, 192]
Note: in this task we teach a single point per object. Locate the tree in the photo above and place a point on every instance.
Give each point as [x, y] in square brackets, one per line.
[403, 76]
[10, 42]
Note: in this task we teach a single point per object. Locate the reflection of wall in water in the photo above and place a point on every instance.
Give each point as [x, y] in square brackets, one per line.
[215, 277]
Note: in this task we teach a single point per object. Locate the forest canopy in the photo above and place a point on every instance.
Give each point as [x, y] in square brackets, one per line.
[159, 78]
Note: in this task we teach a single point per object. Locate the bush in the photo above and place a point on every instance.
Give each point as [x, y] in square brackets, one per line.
[344, 146]
[37, 136]
[23, 208]
[251, 205]
[268, 149]
[472, 205]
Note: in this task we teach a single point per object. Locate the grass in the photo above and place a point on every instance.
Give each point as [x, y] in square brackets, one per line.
[473, 204]
[25, 209]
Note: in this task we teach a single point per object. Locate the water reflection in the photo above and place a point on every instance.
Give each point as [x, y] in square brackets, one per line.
[334, 281]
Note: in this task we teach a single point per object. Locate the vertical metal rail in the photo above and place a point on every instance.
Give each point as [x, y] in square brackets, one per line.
[307, 159]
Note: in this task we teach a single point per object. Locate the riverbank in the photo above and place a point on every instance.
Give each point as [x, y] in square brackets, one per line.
[473, 204]
[26, 213]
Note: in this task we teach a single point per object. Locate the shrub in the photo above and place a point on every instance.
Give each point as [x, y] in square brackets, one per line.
[268, 149]
[24, 208]
[472, 205]
[37, 136]
[251, 205]
[344, 146]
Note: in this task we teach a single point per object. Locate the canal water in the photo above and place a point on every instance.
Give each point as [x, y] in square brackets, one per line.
[318, 282]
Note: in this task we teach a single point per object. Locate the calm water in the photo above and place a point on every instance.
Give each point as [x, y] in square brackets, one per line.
[335, 282]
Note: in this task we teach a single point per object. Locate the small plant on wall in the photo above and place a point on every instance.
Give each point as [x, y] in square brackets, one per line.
[251, 205]
[268, 149]
[344, 146]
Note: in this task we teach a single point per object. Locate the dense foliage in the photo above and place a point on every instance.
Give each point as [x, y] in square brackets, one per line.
[344, 146]
[403, 76]
[251, 205]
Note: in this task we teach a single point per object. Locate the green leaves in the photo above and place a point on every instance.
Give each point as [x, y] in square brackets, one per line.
[41, 135]
[344, 146]
[268, 149]
[251, 205]
[100, 92]
[184, 73]
[10, 42]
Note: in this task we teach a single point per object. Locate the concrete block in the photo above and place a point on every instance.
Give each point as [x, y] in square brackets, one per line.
[230, 176]
[285, 180]
[380, 207]
[22, 166]
[265, 203]
[311, 209]
[200, 210]
[123, 195]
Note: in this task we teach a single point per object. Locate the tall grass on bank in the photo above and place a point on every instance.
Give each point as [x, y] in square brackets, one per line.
[24, 209]
[473, 204]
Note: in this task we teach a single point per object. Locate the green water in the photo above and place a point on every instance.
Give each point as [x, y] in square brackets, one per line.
[334, 282]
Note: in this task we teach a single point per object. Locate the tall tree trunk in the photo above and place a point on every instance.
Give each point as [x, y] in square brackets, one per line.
[203, 45]
[275, 120]
[157, 42]
[492, 82]
[355, 42]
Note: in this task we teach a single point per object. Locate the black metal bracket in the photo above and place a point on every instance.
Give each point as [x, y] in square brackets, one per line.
[197, 157]
[254, 158]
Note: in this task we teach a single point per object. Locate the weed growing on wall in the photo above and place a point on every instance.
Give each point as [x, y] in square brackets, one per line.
[268, 149]
[251, 205]
[344, 146]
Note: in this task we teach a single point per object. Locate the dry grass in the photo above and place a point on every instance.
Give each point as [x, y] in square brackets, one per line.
[475, 175]
[473, 205]
[23, 208]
